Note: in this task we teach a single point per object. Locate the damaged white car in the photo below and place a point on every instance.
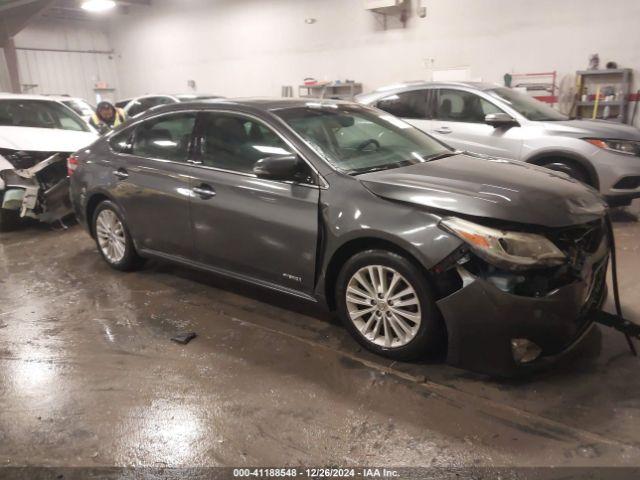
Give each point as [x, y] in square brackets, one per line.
[37, 135]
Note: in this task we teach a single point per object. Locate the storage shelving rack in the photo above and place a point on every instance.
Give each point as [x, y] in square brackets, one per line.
[619, 78]
[542, 86]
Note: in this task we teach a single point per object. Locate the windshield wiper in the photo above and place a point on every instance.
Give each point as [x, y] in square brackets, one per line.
[380, 168]
[439, 156]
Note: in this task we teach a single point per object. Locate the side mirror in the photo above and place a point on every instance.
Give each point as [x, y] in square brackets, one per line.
[277, 167]
[500, 120]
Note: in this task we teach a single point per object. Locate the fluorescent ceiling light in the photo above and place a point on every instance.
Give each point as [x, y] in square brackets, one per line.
[98, 5]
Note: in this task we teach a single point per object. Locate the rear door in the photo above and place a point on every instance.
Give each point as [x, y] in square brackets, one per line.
[152, 182]
[254, 227]
[459, 122]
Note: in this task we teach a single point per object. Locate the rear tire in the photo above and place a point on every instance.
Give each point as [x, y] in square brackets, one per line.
[371, 305]
[113, 239]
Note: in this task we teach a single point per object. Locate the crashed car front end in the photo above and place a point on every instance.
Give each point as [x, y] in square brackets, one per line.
[505, 319]
[35, 184]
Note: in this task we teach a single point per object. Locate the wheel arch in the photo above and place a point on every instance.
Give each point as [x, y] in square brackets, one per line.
[92, 203]
[357, 245]
[542, 157]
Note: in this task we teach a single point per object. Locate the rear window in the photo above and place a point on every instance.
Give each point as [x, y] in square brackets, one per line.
[39, 114]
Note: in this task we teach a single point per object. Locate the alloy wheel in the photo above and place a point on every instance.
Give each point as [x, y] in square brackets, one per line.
[383, 306]
[111, 236]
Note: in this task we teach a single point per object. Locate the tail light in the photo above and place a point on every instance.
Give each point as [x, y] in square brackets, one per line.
[72, 164]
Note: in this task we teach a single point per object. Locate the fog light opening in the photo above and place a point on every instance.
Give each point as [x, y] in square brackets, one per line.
[524, 351]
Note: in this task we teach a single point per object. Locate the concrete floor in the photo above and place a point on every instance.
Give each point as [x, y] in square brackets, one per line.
[88, 377]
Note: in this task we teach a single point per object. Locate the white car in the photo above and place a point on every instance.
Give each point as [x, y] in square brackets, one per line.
[37, 135]
[78, 105]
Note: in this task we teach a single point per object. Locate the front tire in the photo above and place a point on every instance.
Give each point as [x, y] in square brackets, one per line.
[573, 169]
[113, 239]
[385, 302]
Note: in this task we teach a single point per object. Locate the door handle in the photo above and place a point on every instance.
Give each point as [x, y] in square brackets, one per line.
[121, 173]
[204, 191]
[443, 130]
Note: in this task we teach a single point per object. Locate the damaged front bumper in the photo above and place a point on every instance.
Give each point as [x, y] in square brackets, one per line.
[40, 192]
[486, 320]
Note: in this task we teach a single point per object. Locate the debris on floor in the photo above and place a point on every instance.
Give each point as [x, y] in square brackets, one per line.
[184, 338]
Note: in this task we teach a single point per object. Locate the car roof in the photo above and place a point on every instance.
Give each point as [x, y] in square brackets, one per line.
[419, 84]
[195, 95]
[22, 96]
[63, 98]
[264, 104]
[149, 95]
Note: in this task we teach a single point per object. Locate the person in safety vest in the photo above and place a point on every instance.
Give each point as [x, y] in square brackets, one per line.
[107, 117]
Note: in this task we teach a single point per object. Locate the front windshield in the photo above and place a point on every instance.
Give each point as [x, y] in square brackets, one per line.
[39, 114]
[528, 107]
[358, 139]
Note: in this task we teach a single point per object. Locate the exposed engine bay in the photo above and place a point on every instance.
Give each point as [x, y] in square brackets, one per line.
[35, 185]
[579, 243]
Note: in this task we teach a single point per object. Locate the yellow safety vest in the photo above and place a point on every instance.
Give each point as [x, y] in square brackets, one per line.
[118, 120]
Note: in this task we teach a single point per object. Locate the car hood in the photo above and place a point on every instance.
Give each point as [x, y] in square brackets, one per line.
[490, 188]
[31, 139]
[593, 128]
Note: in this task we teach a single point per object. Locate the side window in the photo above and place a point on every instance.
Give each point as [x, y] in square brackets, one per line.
[412, 104]
[461, 106]
[236, 143]
[121, 142]
[166, 138]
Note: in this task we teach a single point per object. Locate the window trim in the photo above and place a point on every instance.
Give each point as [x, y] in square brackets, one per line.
[321, 182]
[437, 98]
[132, 128]
[189, 148]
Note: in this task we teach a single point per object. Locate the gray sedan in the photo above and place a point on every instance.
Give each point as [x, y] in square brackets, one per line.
[505, 123]
[417, 247]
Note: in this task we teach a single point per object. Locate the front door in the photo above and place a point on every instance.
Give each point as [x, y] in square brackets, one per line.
[153, 186]
[458, 121]
[263, 229]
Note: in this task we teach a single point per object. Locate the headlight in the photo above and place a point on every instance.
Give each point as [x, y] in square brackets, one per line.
[619, 146]
[510, 250]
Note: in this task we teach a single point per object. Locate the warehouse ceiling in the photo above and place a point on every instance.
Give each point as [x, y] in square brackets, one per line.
[16, 14]
[70, 9]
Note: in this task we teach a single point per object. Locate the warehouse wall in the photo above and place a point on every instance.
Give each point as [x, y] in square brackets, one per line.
[5, 81]
[74, 70]
[253, 47]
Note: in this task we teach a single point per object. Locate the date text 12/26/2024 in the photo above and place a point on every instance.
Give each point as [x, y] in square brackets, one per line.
[292, 472]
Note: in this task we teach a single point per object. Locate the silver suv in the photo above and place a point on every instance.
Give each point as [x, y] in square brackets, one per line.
[502, 122]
